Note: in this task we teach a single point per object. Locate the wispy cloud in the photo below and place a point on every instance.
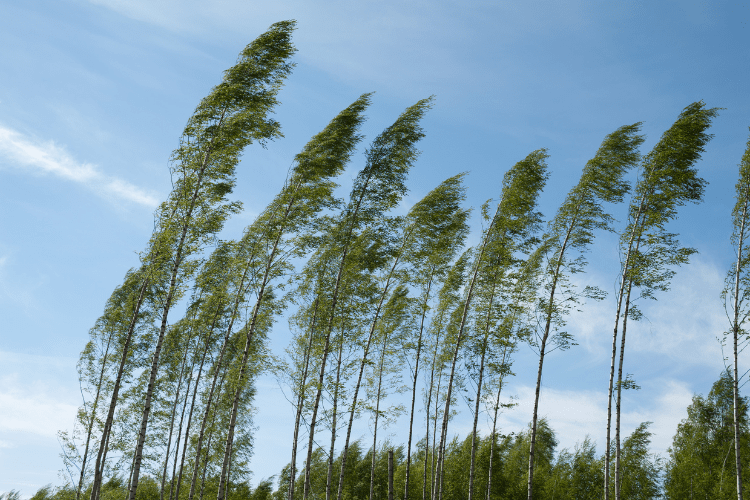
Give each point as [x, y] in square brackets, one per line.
[37, 396]
[683, 324]
[22, 152]
[573, 413]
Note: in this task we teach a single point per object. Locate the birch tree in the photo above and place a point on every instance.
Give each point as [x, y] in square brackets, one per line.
[292, 217]
[510, 229]
[736, 294]
[572, 230]
[667, 180]
[377, 189]
[437, 227]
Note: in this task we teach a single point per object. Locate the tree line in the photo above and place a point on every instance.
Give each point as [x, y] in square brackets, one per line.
[381, 304]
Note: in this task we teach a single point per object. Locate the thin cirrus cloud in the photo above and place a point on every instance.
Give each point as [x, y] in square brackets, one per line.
[19, 151]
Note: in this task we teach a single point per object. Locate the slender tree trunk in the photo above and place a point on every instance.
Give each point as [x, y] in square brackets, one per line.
[476, 419]
[316, 405]
[104, 461]
[171, 424]
[225, 342]
[610, 392]
[301, 401]
[390, 475]
[414, 390]
[208, 447]
[190, 413]
[377, 415]
[329, 478]
[618, 479]
[735, 335]
[93, 416]
[179, 434]
[435, 451]
[218, 369]
[99, 467]
[493, 434]
[479, 388]
[459, 338]
[206, 413]
[542, 348]
[362, 365]
[428, 411]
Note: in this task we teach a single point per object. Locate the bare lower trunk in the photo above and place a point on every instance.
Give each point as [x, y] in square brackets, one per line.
[352, 412]
[190, 418]
[300, 404]
[314, 418]
[435, 452]
[377, 415]
[625, 315]
[99, 467]
[610, 392]
[93, 417]
[104, 461]
[329, 477]
[492, 441]
[204, 421]
[179, 435]
[362, 365]
[208, 448]
[459, 338]
[476, 419]
[171, 424]
[542, 351]
[735, 335]
[250, 332]
[390, 475]
[414, 392]
[618, 478]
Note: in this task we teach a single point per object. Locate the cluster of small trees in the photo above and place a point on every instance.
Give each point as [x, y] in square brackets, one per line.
[379, 304]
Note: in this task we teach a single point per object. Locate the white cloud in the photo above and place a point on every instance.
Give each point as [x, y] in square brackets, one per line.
[573, 414]
[47, 158]
[37, 396]
[682, 324]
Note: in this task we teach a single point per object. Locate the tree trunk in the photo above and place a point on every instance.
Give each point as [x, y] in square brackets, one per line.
[610, 392]
[476, 418]
[542, 347]
[219, 309]
[494, 429]
[377, 415]
[93, 417]
[171, 424]
[435, 452]
[190, 415]
[414, 391]
[618, 479]
[179, 434]
[329, 478]
[99, 466]
[301, 402]
[390, 475]
[362, 365]
[735, 335]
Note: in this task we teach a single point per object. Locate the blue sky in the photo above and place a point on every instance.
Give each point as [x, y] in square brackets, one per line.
[94, 95]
